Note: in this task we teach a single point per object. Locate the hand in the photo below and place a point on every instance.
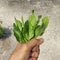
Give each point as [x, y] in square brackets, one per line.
[27, 51]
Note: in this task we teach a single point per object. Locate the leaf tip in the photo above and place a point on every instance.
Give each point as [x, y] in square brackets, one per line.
[39, 16]
[32, 11]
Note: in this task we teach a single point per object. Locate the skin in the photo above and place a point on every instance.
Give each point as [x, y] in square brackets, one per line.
[27, 51]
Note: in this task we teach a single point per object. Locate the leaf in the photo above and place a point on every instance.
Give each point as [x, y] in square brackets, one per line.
[32, 19]
[26, 30]
[31, 32]
[22, 21]
[45, 21]
[18, 24]
[1, 31]
[42, 30]
[18, 34]
[32, 24]
[37, 31]
[39, 17]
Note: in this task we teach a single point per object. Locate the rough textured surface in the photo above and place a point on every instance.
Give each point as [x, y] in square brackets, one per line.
[50, 49]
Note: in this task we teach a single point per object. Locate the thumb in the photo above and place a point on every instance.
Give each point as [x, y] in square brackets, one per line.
[34, 42]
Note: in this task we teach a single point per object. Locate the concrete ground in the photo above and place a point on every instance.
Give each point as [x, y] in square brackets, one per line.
[50, 49]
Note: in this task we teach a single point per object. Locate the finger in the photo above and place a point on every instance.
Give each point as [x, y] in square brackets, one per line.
[32, 58]
[32, 43]
[35, 42]
[39, 51]
[35, 54]
[36, 48]
[40, 41]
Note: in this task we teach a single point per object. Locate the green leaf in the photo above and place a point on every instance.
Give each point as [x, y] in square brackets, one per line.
[26, 30]
[18, 34]
[18, 24]
[1, 31]
[42, 30]
[31, 32]
[32, 24]
[32, 11]
[32, 20]
[39, 17]
[22, 21]
[37, 31]
[45, 21]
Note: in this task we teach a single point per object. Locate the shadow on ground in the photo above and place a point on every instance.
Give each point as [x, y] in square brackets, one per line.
[7, 33]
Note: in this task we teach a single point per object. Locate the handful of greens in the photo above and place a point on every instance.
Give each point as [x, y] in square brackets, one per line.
[31, 28]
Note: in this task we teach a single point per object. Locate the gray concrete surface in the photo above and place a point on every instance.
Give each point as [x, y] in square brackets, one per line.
[50, 49]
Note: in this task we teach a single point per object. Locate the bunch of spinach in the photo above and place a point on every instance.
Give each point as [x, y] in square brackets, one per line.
[31, 28]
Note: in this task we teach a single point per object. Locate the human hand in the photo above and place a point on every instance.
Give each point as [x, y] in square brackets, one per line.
[27, 51]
